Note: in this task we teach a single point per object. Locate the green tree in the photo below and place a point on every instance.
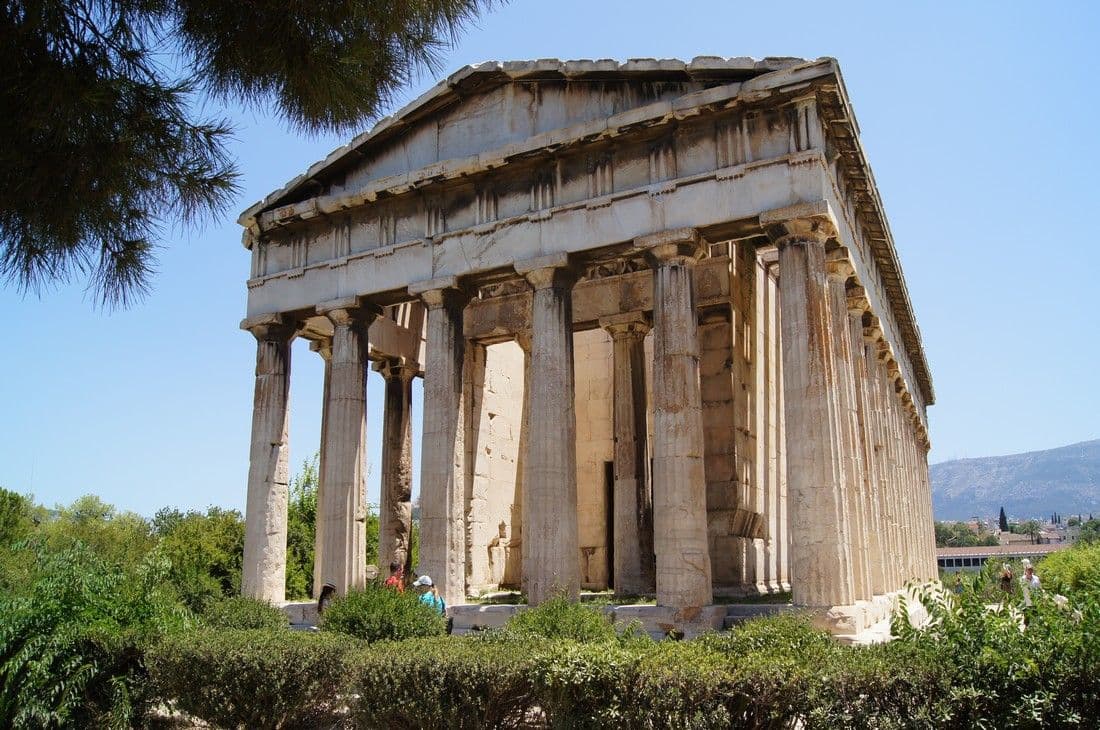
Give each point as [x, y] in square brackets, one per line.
[204, 551]
[1090, 532]
[101, 140]
[1003, 521]
[1032, 529]
[120, 537]
[301, 531]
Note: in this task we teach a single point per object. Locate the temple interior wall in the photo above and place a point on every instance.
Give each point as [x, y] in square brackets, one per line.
[594, 368]
[494, 428]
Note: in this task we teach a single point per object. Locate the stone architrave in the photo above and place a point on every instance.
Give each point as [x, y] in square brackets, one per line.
[551, 548]
[633, 518]
[820, 557]
[395, 508]
[683, 569]
[443, 452]
[324, 349]
[268, 470]
[343, 511]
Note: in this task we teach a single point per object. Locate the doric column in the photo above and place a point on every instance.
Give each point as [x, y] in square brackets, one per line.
[887, 477]
[821, 573]
[395, 508]
[875, 526]
[683, 570]
[443, 450]
[324, 349]
[551, 547]
[839, 269]
[268, 469]
[633, 518]
[344, 511]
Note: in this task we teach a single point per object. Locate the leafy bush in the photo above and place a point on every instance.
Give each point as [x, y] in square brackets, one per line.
[560, 618]
[71, 651]
[241, 612]
[583, 685]
[1068, 571]
[254, 679]
[1014, 666]
[455, 682]
[376, 613]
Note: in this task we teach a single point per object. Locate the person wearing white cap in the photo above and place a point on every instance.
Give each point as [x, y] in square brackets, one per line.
[1029, 579]
[429, 595]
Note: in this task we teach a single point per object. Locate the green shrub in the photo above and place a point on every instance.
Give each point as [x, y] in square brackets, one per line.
[241, 612]
[254, 679]
[560, 618]
[583, 685]
[376, 613]
[72, 648]
[466, 683]
[1068, 571]
[896, 685]
[1014, 666]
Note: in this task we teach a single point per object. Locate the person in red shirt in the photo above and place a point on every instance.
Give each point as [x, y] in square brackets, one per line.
[396, 580]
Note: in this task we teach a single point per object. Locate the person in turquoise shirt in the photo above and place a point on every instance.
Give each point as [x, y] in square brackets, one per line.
[429, 596]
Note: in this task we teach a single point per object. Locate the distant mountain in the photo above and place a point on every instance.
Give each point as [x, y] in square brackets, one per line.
[1064, 480]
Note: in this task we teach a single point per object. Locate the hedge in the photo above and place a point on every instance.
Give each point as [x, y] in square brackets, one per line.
[253, 678]
[971, 667]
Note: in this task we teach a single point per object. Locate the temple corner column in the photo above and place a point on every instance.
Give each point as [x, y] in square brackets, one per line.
[820, 558]
[264, 564]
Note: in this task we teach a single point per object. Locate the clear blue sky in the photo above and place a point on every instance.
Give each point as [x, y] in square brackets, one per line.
[980, 121]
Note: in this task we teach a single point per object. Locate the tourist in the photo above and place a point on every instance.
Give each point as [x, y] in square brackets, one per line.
[958, 583]
[1006, 578]
[328, 592]
[1029, 579]
[396, 579]
[429, 596]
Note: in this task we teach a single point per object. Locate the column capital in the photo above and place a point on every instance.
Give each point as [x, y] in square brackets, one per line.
[676, 245]
[323, 347]
[549, 271]
[799, 224]
[349, 311]
[436, 293]
[838, 265]
[857, 299]
[274, 327]
[396, 368]
[629, 325]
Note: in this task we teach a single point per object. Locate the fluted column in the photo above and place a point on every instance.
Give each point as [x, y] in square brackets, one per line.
[633, 518]
[443, 451]
[264, 574]
[821, 573]
[875, 526]
[839, 269]
[552, 548]
[683, 568]
[324, 349]
[395, 508]
[344, 510]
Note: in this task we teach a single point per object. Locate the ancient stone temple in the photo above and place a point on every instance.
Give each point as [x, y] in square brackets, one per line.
[665, 339]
